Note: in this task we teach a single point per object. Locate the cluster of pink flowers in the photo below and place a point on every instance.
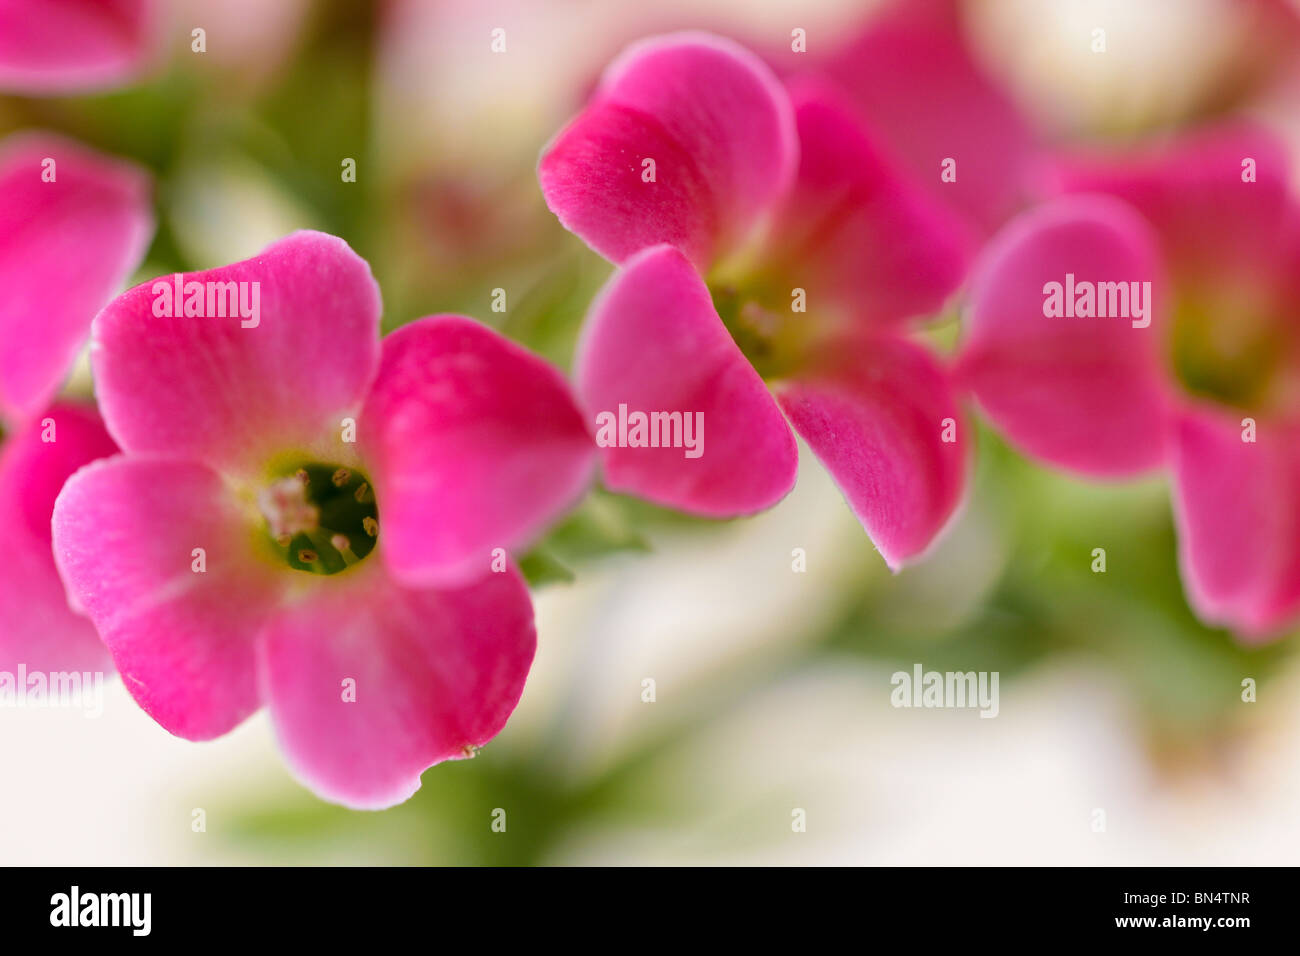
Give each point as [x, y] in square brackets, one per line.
[296, 513]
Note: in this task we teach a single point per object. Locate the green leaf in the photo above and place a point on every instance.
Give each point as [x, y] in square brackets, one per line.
[540, 568]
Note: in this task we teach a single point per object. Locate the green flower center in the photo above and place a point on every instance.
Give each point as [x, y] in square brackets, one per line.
[764, 324]
[1233, 351]
[321, 518]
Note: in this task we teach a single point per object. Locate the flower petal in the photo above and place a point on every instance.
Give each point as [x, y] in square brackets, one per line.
[717, 125]
[1217, 198]
[208, 388]
[1239, 520]
[654, 343]
[853, 231]
[1088, 394]
[65, 247]
[37, 628]
[125, 534]
[473, 443]
[371, 683]
[911, 74]
[66, 46]
[881, 415]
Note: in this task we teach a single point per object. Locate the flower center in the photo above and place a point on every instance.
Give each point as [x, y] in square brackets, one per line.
[1234, 351]
[765, 326]
[321, 518]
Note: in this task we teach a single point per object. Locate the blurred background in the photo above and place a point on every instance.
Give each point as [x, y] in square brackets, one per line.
[771, 687]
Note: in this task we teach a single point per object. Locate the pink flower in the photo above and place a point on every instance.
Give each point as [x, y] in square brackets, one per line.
[912, 75]
[1148, 321]
[37, 629]
[73, 225]
[54, 47]
[693, 161]
[245, 549]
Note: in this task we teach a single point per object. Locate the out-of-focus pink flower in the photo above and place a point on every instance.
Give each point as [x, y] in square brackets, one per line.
[913, 76]
[37, 629]
[73, 224]
[56, 47]
[692, 160]
[1150, 319]
[306, 519]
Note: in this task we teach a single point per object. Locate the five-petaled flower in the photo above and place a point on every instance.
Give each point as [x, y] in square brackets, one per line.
[731, 206]
[245, 550]
[1208, 388]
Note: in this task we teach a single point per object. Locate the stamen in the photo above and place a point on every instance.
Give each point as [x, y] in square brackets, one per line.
[323, 518]
[343, 546]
